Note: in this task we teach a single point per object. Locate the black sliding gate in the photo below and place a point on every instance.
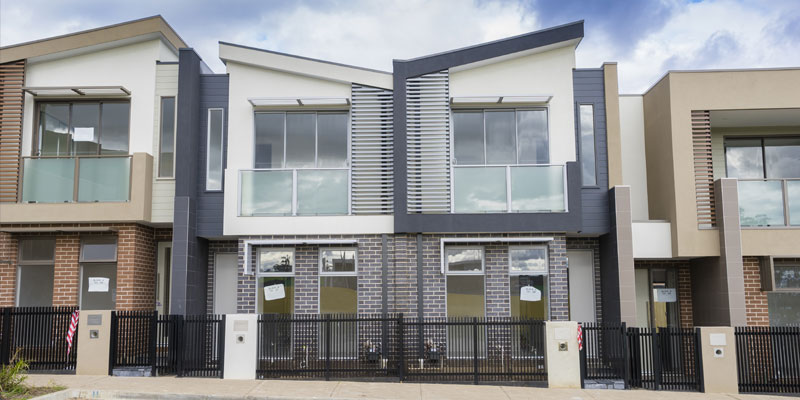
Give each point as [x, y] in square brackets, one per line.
[655, 359]
[376, 347]
[38, 336]
[768, 359]
[167, 344]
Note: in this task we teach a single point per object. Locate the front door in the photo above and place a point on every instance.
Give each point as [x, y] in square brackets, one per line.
[581, 286]
[225, 275]
[656, 297]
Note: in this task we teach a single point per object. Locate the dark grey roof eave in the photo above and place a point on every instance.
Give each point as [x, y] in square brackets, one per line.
[497, 48]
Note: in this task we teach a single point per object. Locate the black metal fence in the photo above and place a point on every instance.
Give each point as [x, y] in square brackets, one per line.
[167, 344]
[665, 359]
[768, 359]
[605, 352]
[38, 336]
[364, 346]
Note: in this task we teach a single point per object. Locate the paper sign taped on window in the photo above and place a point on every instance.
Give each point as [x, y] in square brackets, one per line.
[664, 295]
[530, 293]
[274, 292]
[83, 134]
[97, 284]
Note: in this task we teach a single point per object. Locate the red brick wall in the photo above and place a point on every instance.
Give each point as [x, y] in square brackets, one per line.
[66, 279]
[755, 301]
[685, 296]
[136, 268]
[8, 269]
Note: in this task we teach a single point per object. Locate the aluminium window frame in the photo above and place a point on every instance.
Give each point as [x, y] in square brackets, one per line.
[37, 133]
[174, 137]
[546, 274]
[482, 348]
[82, 262]
[322, 274]
[22, 263]
[257, 275]
[594, 144]
[221, 148]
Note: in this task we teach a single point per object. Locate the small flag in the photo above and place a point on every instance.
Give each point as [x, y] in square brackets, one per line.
[580, 338]
[73, 326]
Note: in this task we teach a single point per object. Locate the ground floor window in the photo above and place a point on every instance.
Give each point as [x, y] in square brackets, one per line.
[98, 260]
[338, 294]
[465, 299]
[36, 272]
[528, 267]
[275, 296]
[657, 297]
[784, 308]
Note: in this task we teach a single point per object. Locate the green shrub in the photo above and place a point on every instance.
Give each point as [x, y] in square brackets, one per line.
[13, 376]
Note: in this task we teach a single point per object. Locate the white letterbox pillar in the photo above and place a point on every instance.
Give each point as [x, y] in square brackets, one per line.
[241, 346]
[563, 357]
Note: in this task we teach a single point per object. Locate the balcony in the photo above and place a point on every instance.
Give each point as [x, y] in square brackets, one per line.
[83, 189]
[291, 192]
[769, 202]
[515, 188]
[79, 179]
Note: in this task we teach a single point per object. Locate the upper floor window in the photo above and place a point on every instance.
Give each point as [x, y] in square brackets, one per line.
[500, 137]
[588, 163]
[760, 158]
[214, 149]
[501, 163]
[83, 128]
[301, 140]
[166, 150]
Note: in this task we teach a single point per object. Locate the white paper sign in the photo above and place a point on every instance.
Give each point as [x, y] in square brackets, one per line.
[98, 284]
[530, 293]
[83, 134]
[274, 292]
[664, 295]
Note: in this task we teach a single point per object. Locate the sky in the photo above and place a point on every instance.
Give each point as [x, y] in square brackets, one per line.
[645, 37]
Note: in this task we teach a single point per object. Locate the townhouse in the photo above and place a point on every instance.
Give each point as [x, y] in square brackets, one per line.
[87, 181]
[497, 180]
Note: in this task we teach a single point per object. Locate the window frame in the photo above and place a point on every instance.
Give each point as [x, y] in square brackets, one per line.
[342, 273]
[594, 143]
[482, 342]
[259, 274]
[174, 136]
[763, 146]
[36, 142]
[21, 263]
[221, 148]
[99, 240]
[482, 250]
[546, 274]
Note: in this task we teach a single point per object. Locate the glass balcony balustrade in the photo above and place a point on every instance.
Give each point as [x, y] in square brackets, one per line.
[76, 179]
[769, 202]
[517, 188]
[286, 192]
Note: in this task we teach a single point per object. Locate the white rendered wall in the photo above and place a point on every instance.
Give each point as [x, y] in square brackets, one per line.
[652, 239]
[163, 188]
[132, 66]
[546, 73]
[634, 166]
[251, 82]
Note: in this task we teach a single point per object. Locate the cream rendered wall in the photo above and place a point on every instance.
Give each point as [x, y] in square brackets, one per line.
[546, 73]
[163, 188]
[250, 82]
[132, 66]
[634, 165]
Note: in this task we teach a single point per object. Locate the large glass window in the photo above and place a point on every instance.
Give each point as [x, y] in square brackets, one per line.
[768, 170]
[465, 299]
[83, 128]
[787, 276]
[588, 162]
[98, 261]
[784, 308]
[500, 163]
[166, 150]
[36, 272]
[275, 296]
[309, 150]
[338, 294]
[214, 149]
[528, 271]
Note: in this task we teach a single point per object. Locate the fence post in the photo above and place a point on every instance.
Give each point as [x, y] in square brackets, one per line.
[179, 343]
[5, 345]
[327, 323]
[221, 347]
[112, 351]
[582, 354]
[475, 348]
[401, 368]
[626, 353]
[698, 360]
[153, 338]
[656, 349]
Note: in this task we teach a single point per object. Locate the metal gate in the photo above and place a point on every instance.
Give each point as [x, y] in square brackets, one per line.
[665, 359]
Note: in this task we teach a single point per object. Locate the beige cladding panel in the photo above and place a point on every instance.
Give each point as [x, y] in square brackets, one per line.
[668, 107]
[613, 130]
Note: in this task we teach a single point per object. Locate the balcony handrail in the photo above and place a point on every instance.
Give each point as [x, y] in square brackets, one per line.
[508, 168]
[505, 165]
[294, 172]
[295, 169]
[785, 200]
[76, 175]
[766, 179]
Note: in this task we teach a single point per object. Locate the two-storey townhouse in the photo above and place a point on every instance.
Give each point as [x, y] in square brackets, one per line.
[473, 182]
[87, 167]
[713, 162]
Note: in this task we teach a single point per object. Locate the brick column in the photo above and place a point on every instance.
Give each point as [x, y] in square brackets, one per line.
[8, 269]
[756, 306]
[685, 296]
[136, 268]
[66, 274]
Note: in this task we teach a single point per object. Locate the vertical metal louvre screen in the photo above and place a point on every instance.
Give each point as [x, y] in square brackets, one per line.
[372, 150]
[703, 168]
[12, 99]
[428, 143]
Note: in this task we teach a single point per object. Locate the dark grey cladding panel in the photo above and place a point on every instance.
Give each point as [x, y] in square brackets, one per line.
[501, 222]
[188, 123]
[485, 51]
[213, 94]
[589, 88]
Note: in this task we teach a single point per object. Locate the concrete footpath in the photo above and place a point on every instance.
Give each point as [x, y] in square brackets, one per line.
[210, 388]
